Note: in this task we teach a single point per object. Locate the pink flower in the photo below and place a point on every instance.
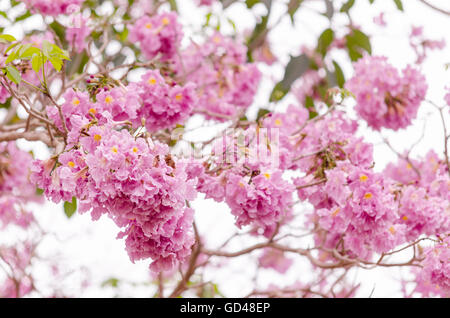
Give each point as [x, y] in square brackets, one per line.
[434, 278]
[157, 34]
[226, 84]
[384, 97]
[275, 259]
[51, 7]
[77, 33]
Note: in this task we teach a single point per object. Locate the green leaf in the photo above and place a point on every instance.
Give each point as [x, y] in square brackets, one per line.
[251, 3]
[24, 16]
[173, 5]
[296, 67]
[293, 6]
[261, 113]
[113, 282]
[13, 74]
[325, 39]
[60, 31]
[36, 62]
[340, 78]
[347, 6]
[70, 207]
[357, 41]
[399, 4]
[56, 62]
[39, 191]
[7, 38]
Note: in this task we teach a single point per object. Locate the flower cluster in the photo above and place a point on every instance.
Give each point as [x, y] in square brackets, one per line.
[152, 100]
[226, 84]
[134, 181]
[158, 34]
[434, 277]
[163, 105]
[384, 97]
[275, 259]
[15, 187]
[53, 8]
[77, 33]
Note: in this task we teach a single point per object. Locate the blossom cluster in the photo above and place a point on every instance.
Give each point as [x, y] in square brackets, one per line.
[53, 8]
[132, 180]
[15, 186]
[158, 34]
[151, 100]
[434, 278]
[226, 83]
[386, 98]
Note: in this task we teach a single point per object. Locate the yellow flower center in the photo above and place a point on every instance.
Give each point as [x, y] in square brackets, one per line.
[267, 175]
[92, 111]
[216, 39]
[71, 164]
[408, 166]
[149, 25]
[114, 149]
[152, 81]
[368, 195]
[241, 185]
[363, 178]
[335, 212]
[278, 122]
[392, 230]
[108, 99]
[178, 97]
[165, 21]
[75, 102]
[97, 137]
[405, 218]
[135, 149]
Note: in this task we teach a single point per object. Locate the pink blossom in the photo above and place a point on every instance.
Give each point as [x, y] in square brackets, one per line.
[51, 7]
[384, 97]
[157, 34]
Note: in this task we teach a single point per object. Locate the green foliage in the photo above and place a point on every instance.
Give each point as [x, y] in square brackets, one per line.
[70, 207]
[325, 39]
[296, 67]
[339, 74]
[347, 6]
[356, 42]
[113, 282]
[37, 56]
[399, 4]
[293, 6]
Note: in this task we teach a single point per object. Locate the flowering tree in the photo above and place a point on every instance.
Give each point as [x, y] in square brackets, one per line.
[116, 90]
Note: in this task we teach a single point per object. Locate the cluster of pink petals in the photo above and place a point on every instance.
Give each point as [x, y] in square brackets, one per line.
[430, 173]
[254, 190]
[362, 211]
[384, 97]
[15, 186]
[51, 7]
[17, 258]
[133, 181]
[163, 105]
[152, 100]
[158, 34]
[226, 84]
[263, 201]
[275, 259]
[434, 278]
[77, 33]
